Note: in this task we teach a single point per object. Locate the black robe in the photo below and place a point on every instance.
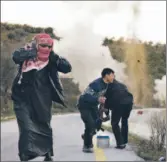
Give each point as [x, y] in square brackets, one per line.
[33, 101]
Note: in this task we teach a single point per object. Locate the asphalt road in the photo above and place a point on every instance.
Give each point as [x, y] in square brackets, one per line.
[67, 130]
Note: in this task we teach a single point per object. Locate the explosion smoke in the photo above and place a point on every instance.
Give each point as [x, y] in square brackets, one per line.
[160, 88]
[137, 70]
[84, 49]
[88, 57]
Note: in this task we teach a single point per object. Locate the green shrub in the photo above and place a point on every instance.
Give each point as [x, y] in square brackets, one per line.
[21, 32]
[10, 27]
[28, 28]
[11, 36]
[49, 30]
[39, 30]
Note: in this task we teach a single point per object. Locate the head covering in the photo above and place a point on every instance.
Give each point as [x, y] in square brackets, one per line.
[43, 52]
[43, 38]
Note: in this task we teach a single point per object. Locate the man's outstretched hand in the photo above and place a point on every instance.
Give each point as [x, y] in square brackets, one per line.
[101, 100]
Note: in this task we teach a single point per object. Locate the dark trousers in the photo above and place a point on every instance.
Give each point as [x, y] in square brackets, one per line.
[121, 112]
[89, 117]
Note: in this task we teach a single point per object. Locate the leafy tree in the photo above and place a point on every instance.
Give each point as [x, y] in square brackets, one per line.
[39, 30]
[49, 30]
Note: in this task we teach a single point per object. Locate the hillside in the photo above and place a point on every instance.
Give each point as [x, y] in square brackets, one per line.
[14, 36]
[148, 54]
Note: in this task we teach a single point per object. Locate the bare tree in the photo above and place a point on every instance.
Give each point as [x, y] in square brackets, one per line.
[157, 126]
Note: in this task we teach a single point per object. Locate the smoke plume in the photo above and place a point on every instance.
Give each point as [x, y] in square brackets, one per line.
[83, 48]
[160, 88]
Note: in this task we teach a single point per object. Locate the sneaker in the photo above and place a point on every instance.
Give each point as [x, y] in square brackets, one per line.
[87, 149]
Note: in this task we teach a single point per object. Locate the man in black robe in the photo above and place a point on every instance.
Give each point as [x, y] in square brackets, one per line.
[34, 88]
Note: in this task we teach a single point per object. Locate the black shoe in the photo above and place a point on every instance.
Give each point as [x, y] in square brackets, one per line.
[24, 158]
[120, 146]
[48, 157]
[87, 149]
[91, 146]
[82, 136]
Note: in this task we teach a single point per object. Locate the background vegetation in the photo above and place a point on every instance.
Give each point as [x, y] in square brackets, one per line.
[156, 59]
[14, 36]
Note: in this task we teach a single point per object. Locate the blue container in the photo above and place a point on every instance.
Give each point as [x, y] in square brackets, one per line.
[103, 141]
[104, 137]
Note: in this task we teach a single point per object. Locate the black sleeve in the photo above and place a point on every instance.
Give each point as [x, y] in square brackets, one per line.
[91, 94]
[61, 63]
[20, 55]
[108, 103]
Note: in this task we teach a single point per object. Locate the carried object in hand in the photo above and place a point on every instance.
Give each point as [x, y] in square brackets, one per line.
[102, 110]
[102, 119]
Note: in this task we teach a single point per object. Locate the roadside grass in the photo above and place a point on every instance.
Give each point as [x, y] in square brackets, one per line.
[11, 116]
[6, 116]
[142, 147]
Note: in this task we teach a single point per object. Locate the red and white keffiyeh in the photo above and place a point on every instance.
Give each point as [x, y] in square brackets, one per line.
[42, 53]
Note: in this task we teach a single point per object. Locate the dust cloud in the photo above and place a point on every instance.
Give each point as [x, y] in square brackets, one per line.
[136, 61]
[160, 88]
[83, 47]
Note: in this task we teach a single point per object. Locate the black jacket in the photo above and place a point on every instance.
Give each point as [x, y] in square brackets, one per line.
[56, 64]
[117, 93]
[89, 98]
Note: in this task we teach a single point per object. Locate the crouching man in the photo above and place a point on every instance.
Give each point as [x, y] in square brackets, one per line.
[88, 105]
[120, 100]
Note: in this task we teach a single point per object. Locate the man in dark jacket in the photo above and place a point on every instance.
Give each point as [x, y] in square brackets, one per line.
[34, 88]
[120, 101]
[88, 105]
